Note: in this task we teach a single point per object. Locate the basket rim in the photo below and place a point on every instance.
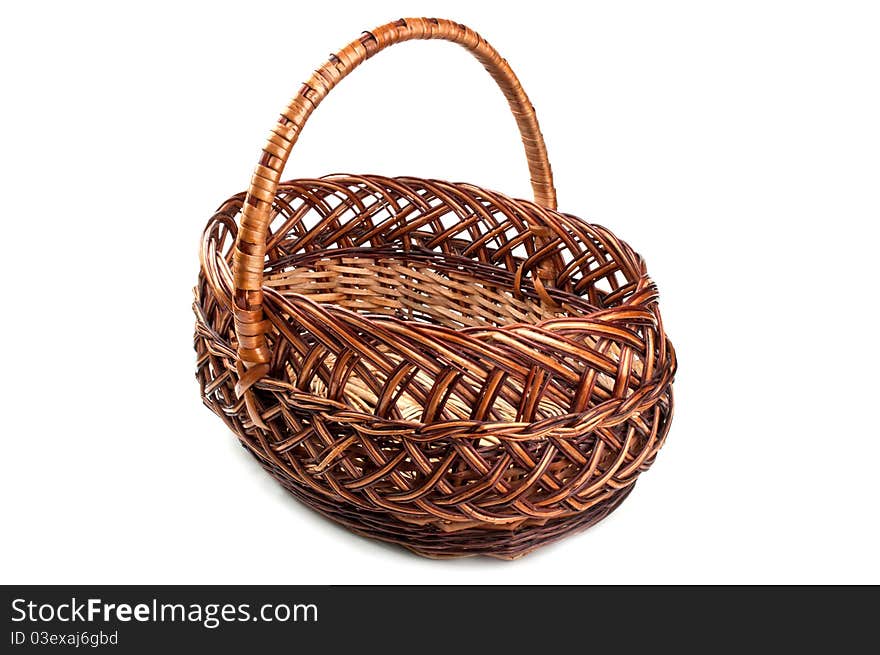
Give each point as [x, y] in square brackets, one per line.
[637, 308]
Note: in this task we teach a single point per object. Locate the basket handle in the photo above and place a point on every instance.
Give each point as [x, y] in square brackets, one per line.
[250, 246]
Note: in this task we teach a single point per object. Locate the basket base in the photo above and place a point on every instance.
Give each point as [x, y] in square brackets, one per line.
[428, 541]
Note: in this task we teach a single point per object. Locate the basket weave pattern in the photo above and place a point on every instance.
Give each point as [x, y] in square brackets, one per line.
[427, 363]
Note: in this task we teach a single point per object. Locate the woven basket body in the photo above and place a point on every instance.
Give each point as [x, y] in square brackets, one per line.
[427, 363]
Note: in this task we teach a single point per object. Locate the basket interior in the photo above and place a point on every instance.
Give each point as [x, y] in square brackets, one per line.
[418, 286]
[435, 290]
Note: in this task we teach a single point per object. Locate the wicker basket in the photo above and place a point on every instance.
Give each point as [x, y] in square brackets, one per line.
[427, 363]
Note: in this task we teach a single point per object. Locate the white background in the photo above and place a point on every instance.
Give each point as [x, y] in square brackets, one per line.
[735, 145]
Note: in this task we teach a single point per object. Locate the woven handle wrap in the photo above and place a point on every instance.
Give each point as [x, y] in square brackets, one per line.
[250, 247]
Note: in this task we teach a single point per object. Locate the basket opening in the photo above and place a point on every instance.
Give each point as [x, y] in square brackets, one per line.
[432, 254]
